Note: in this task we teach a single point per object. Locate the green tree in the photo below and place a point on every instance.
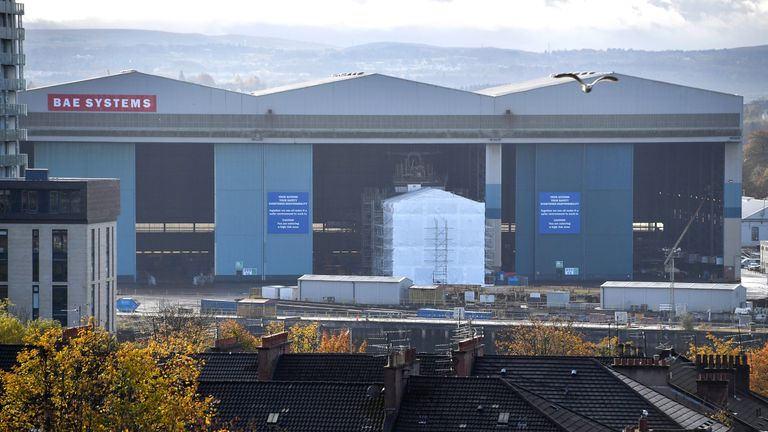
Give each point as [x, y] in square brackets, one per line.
[756, 164]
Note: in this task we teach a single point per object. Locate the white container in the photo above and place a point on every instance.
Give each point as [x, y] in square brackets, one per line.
[271, 291]
[487, 298]
[469, 296]
[288, 293]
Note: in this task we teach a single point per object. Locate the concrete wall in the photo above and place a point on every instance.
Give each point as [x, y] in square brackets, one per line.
[696, 300]
[602, 173]
[746, 232]
[106, 160]
[244, 175]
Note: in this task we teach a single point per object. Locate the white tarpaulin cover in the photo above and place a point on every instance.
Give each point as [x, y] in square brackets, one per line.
[434, 236]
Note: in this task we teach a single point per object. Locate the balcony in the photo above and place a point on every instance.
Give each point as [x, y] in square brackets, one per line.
[12, 8]
[13, 160]
[13, 134]
[10, 109]
[13, 84]
[12, 59]
[11, 33]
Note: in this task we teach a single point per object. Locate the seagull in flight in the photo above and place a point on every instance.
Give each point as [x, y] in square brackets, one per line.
[586, 87]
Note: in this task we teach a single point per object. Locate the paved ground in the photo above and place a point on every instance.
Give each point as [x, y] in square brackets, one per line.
[756, 284]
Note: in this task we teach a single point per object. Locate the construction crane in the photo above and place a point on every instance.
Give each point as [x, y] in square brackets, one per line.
[670, 260]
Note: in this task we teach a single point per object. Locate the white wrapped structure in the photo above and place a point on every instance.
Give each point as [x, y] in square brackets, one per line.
[434, 236]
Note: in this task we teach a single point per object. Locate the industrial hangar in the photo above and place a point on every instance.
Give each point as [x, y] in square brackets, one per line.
[288, 181]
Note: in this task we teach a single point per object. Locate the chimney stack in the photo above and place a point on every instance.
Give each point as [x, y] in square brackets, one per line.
[720, 376]
[272, 347]
[464, 357]
[400, 365]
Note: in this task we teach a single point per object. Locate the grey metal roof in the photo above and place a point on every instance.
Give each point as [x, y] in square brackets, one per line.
[343, 278]
[665, 285]
[750, 207]
[312, 83]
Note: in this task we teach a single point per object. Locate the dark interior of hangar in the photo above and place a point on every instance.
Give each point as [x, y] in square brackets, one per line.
[350, 181]
[174, 211]
[672, 182]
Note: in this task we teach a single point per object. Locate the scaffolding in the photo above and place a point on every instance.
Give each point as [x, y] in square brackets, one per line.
[371, 232]
[438, 248]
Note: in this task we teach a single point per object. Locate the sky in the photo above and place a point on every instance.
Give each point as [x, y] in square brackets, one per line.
[534, 25]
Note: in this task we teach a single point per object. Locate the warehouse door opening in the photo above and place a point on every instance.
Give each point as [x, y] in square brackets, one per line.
[351, 181]
[174, 213]
[670, 182]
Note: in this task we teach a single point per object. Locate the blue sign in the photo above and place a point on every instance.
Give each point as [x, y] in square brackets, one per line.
[288, 212]
[559, 212]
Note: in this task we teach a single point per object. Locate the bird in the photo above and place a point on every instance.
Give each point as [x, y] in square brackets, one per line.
[586, 87]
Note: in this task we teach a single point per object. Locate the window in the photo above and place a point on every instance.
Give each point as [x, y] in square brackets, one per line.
[755, 233]
[29, 201]
[53, 201]
[35, 302]
[93, 254]
[59, 304]
[93, 300]
[98, 254]
[109, 261]
[3, 292]
[5, 201]
[35, 255]
[4, 255]
[109, 306]
[59, 255]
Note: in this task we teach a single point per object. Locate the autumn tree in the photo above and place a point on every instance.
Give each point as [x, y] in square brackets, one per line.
[756, 164]
[555, 338]
[92, 382]
[758, 370]
[339, 341]
[716, 346]
[244, 338]
[306, 338]
[13, 331]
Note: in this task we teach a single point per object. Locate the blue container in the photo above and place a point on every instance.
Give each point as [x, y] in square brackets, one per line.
[126, 304]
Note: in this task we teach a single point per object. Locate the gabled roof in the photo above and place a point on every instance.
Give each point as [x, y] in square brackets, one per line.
[298, 406]
[331, 368]
[686, 417]
[748, 407]
[592, 391]
[428, 192]
[753, 208]
[8, 353]
[471, 404]
[352, 278]
[311, 83]
[226, 366]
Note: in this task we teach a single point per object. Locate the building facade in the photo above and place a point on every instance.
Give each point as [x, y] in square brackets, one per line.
[290, 180]
[58, 243]
[12, 162]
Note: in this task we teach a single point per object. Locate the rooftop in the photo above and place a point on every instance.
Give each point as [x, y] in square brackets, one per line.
[341, 278]
[331, 368]
[666, 285]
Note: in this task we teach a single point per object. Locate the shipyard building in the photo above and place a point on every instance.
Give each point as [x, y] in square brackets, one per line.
[292, 180]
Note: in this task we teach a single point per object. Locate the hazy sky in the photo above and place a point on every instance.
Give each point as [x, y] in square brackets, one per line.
[524, 24]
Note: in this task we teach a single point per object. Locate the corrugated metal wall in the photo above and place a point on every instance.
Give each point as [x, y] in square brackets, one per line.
[602, 173]
[244, 174]
[106, 160]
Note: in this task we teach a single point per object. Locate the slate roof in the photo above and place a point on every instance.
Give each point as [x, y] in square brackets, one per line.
[471, 404]
[684, 416]
[593, 391]
[300, 406]
[331, 368]
[225, 366]
[8, 355]
[748, 407]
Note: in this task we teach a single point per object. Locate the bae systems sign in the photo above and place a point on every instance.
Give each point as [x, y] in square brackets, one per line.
[107, 103]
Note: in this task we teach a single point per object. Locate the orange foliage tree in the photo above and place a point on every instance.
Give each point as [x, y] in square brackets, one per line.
[544, 339]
